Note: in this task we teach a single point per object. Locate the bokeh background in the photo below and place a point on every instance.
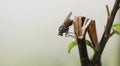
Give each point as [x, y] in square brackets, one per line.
[29, 32]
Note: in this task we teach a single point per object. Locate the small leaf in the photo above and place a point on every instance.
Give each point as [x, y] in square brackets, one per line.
[89, 43]
[74, 43]
[116, 28]
[71, 45]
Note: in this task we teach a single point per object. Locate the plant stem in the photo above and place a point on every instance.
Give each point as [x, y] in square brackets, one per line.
[108, 11]
[83, 52]
[105, 36]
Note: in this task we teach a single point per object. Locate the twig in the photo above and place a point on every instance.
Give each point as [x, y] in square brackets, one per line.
[111, 34]
[108, 11]
[83, 52]
[79, 31]
[104, 39]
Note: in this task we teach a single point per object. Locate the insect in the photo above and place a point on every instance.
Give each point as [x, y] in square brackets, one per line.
[64, 28]
[81, 26]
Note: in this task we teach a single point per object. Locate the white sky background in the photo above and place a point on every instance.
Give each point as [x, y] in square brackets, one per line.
[29, 28]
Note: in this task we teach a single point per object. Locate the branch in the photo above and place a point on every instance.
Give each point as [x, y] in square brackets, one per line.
[80, 37]
[104, 39]
[108, 11]
[83, 52]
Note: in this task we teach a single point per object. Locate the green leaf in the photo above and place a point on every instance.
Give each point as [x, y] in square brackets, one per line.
[116, 28]
[71, 45]
[74, 43]
[89, 43]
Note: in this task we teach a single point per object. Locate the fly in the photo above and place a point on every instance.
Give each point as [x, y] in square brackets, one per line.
[64, 28]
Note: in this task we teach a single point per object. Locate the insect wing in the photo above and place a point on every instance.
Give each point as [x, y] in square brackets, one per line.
[68, 18]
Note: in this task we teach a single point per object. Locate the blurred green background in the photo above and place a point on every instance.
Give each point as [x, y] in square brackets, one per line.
[29, 28]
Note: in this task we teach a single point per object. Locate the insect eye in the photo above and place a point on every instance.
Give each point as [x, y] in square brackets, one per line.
[62, 29]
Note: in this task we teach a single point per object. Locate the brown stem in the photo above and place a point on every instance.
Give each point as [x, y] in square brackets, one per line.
[105, 36]
[108, 11]
[83, 52]
[81, 41]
